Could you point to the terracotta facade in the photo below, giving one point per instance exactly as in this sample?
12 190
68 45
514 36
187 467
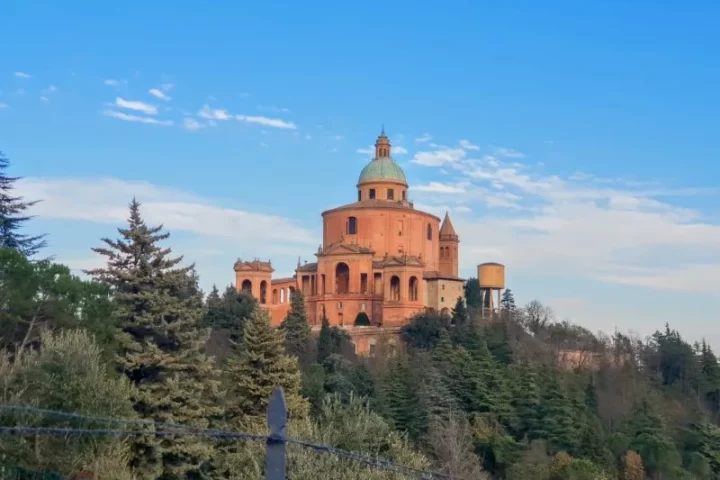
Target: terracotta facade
379 257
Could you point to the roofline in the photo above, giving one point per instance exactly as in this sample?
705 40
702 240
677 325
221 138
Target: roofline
382 180
445 277
391 205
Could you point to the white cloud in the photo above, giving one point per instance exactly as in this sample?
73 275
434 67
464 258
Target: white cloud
159 94
22 75
110 82
438 187
271 108
399 150
580 226
425 137
214 113
136 118
366 150
50 89
508 152
192 124
268 122
105 201
468 146
439 157
44 98
138 106
166 87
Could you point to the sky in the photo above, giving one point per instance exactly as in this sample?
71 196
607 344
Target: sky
575 142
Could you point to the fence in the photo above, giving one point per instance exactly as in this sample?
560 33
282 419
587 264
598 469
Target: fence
275 443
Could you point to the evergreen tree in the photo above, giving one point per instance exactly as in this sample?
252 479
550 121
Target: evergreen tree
212 308
325 347
259 365
473 294
158 311
710 377
13 215
298 336
460 317
507 303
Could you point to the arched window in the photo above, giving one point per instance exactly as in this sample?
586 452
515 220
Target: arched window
445 312
429 231
275 296
246 286
342 278
352 226
413 289
263 292
282 295
395 288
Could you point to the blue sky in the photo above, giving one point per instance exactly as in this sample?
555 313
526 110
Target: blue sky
576 142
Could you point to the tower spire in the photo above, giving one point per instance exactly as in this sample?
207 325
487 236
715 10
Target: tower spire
382 145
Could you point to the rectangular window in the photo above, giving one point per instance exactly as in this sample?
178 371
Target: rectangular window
372 350
391 194
372 193
339 304
359 195
363 282
404 195
400 228
362 307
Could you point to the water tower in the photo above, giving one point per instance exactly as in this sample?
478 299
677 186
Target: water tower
491 277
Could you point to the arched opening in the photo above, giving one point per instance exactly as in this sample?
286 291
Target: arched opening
263 292
445 312
395 288
429 231
275 296
362 320
247 286
351 226
342 278
413 290
282 295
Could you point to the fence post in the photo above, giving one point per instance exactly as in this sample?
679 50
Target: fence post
275 451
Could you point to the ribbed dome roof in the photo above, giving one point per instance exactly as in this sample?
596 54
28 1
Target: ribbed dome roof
383 168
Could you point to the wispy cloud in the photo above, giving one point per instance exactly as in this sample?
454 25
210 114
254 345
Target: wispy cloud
135 118
4 106
439 157
508 152
399 150
138 106
468 146
213 113
110 82
22 75
438 187
192 124
157 93
50 89
44 98
271 108
366 150
105 200
425 137
268 122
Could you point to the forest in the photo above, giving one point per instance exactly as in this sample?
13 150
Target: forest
519 396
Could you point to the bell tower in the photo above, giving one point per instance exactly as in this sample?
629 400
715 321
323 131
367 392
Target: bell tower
449 241
382 145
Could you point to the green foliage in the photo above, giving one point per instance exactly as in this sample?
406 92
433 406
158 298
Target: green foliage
507 303
298 338
229 311
43 295
66 374
423 330
473 294
158 312
325 341
459 317
13 216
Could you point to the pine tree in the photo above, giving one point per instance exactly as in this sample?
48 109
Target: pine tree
460 316
259 365
507 303
298 336
212 308
158 311
12 216
325 342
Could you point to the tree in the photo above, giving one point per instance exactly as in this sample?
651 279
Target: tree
259 365
67 374
298 336
473 294
537 316
632 467
507 303
13 216
229 311
452 445
158 312
460 317
325 347
423 330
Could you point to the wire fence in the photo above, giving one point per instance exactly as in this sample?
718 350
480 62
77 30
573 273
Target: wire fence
275 443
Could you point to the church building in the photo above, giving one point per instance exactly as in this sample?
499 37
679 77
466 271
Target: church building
380 261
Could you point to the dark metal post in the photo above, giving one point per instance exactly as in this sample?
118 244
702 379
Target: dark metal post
275 451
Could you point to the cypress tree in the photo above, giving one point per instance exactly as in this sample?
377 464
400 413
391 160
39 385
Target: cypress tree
325 341
460 316
259 365
13 216
473 294
296 328
158 311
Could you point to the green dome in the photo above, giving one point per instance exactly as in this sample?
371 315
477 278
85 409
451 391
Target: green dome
380 169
